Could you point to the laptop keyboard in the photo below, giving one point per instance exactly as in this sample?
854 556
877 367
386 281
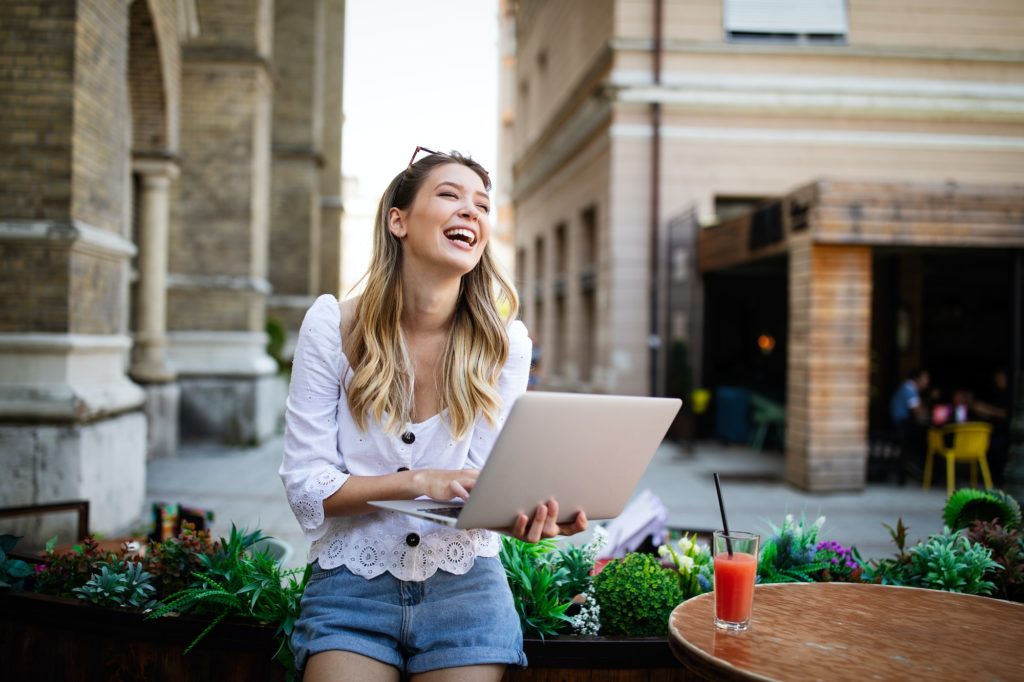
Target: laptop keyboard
452 512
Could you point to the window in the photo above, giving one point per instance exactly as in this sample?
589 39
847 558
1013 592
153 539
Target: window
520 268
727 207
560 253
785 21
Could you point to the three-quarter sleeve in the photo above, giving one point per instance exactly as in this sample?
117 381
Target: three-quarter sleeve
313 467
511 385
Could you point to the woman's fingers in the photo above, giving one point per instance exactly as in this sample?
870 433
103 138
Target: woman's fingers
578 525
537 527
519 527
551 526
459 489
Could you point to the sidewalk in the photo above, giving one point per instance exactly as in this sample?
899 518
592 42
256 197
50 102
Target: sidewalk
241 485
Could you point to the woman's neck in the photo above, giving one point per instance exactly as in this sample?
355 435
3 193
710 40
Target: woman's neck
428 303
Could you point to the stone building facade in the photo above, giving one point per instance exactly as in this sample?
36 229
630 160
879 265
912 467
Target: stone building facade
168 171
639 121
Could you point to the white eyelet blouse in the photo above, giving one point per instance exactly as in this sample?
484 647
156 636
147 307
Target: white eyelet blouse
323 447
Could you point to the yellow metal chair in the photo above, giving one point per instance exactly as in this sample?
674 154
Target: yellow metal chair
970 443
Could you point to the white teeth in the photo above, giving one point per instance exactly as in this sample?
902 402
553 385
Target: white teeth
461 234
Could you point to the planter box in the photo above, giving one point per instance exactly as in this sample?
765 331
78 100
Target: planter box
49 638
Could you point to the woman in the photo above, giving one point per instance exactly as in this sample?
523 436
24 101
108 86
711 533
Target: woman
400 394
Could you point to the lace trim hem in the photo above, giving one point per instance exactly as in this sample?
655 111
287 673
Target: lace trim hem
370 556
309 507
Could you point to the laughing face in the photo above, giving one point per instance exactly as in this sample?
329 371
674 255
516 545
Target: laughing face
448 224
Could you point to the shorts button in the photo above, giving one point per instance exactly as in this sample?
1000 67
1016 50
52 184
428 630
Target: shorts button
408 437
412 539
403 468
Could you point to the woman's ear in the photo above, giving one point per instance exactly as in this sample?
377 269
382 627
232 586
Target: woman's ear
396 223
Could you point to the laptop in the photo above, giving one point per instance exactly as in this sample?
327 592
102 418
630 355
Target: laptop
586 451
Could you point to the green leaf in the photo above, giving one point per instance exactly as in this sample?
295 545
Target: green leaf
18 569
7 543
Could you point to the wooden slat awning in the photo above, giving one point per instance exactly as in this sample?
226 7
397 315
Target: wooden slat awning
872 214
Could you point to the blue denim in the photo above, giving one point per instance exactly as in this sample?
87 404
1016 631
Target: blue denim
445 621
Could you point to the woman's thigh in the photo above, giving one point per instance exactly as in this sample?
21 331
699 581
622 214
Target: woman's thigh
346 666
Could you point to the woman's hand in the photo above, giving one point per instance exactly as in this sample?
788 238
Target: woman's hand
444 484
544 524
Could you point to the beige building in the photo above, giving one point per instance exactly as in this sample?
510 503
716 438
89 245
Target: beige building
169 181
637 121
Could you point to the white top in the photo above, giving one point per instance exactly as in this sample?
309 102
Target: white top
323 447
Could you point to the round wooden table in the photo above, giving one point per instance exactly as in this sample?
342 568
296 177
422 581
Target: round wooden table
835 631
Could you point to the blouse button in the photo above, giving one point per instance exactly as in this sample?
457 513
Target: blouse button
408 437
412 539
403 468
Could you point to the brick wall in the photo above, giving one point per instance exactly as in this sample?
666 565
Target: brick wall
146 78
244 25
36 75
295 227
33 287
100 140
219 227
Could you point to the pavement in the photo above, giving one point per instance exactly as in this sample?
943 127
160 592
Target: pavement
241 486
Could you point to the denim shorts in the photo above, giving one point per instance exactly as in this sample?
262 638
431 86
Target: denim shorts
445 621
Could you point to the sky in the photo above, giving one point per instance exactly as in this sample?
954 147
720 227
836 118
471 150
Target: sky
418 72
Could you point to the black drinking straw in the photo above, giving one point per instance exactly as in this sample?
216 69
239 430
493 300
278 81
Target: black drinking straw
721 507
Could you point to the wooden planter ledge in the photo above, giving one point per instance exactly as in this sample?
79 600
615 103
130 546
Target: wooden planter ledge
52 638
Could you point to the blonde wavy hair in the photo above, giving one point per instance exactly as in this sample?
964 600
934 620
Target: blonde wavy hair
381 388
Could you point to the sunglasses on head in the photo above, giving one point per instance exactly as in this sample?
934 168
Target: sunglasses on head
412 159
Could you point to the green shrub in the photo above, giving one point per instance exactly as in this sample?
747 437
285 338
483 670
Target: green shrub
277 336
172 562
536 583
693 563
62 573
1007 547
971 504
235 581
636 594
12 571
949 561
895 570
790 555
120 584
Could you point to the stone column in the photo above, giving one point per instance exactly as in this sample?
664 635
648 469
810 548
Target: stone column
295 230
150 366
331 207
71 423
217 281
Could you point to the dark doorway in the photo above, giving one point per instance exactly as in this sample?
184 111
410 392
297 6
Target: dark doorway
948 310
746 314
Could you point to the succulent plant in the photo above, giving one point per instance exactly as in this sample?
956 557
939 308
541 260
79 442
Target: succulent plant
971 504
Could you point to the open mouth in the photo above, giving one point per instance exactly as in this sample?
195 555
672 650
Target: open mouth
460 235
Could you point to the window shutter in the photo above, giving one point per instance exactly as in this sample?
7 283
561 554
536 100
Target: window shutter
785 16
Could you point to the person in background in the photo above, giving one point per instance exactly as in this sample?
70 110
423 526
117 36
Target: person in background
994 407
910 417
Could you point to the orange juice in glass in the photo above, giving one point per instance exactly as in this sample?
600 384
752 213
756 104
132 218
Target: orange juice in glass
735 573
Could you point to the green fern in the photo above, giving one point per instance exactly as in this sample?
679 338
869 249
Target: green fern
536 583
239 582
970 504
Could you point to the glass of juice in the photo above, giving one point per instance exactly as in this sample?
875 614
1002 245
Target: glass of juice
735 573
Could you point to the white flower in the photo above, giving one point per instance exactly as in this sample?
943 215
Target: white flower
685 563
685 543
819 522
663 551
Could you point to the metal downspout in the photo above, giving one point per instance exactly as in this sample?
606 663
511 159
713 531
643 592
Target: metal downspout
654 339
